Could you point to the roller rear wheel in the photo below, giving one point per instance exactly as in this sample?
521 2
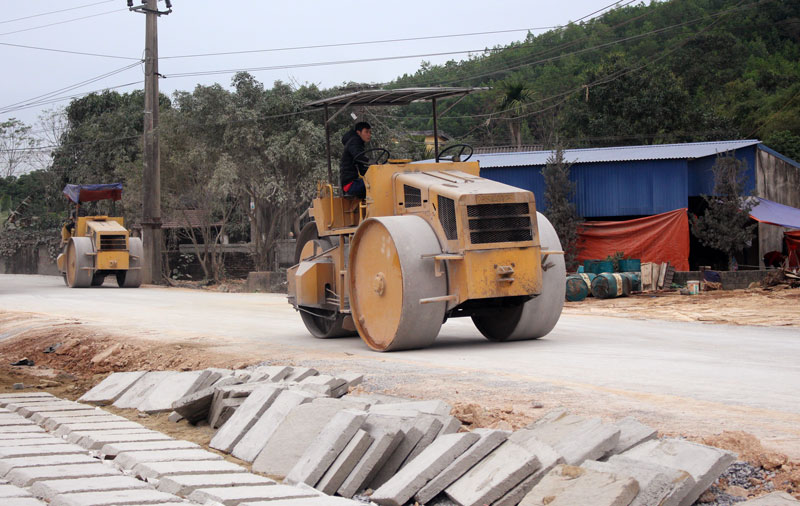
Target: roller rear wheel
536 317
132 278
322 324
389 277
79 263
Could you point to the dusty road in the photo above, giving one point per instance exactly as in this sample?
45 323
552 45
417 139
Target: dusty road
685 378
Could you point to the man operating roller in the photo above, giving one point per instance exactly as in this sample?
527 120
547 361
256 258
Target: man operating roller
352 166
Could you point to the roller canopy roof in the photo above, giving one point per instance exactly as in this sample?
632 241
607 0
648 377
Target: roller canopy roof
91 192
401 96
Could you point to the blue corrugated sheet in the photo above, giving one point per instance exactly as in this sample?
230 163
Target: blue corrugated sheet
701 178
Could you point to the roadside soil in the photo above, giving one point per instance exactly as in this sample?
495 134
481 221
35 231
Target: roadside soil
86 354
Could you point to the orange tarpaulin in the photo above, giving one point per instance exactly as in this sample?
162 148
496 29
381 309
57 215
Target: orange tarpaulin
793 245
659 238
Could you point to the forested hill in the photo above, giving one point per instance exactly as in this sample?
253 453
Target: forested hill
676 71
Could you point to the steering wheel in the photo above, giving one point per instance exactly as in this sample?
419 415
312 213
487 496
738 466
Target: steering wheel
455 157
381 155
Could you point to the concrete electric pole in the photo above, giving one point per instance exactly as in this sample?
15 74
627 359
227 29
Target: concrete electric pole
152 238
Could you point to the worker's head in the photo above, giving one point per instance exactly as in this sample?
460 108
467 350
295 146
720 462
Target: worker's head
364 130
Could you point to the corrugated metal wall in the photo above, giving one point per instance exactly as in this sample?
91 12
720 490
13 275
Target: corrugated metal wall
627 188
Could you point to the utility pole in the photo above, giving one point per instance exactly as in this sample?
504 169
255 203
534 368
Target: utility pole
152 238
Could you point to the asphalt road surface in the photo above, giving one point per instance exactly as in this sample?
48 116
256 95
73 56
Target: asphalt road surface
691 366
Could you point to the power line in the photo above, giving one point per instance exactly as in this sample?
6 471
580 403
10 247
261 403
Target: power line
55 100
63 22
55 12
70 52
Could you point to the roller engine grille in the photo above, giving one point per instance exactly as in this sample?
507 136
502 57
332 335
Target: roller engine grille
447 217
113 242
412 196
490 223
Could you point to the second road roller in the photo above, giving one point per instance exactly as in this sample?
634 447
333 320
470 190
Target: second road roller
430 241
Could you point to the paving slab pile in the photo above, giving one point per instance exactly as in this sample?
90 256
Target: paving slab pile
302 428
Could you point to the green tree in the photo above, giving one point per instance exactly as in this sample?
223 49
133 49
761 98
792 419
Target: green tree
560 210
515 94
17 147
725 224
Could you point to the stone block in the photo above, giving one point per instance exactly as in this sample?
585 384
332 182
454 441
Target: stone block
27 476
575 438
141 389
411 436
435 407
6 465
385 440
250 445
773 499
284 445
300 373
657 484
231 496
569 485
32 442
5 438
14 419
48 489
430 425
308 501
209 378
222 412
8 452
185 484
128 460
489 440
42 416
450 425
28 411
111 388
325 447
95 440
8 491
417 473
270 372
67 428
195 406
171 389
24 501
631 433
494 476
7 397
175 417
114 497
21 429
156 470
245 417
344 463
114 449
54 422
704 463
548 459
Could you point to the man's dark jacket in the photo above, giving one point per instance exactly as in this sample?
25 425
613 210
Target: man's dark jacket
349 167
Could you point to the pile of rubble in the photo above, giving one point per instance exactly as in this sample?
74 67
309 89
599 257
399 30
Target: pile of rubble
303 428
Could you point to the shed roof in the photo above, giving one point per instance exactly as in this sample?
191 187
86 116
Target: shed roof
614 154
401 96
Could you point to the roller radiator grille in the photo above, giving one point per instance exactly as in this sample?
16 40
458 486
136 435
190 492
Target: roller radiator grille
492 223
447 217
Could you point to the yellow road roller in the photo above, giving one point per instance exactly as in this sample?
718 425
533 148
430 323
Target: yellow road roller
94 247
430 241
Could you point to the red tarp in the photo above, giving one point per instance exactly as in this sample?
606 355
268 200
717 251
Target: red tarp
659 238
793 245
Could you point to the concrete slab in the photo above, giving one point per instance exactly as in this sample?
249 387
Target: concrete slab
450 425
14 419
208 378
115 497
27 476
7 465
231 496
489 440
48 489
114 449
33 395
4 438
307 501
171 389
631 433
704 463
24 501
96 439
773 499
51 440
575 438
21 429
67 428
53 423
411 436
43 416
324 449
494 476
300 373
222 410
29 410
270 372
128 460
246 415
417 473
431 426
141 389
341 467
251 444
385 440
185 484
8 491
7 452
548 459
285 445
195 406
435 407
111 388
155 470
657 484
569 485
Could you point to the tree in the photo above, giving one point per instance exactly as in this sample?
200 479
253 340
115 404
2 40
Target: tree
515 95
725 224
17 147
558 194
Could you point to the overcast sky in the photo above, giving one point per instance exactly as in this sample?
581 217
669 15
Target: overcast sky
202 26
